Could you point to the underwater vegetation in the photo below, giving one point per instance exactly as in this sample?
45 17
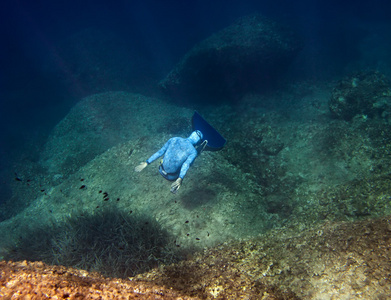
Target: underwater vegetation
109 241
332 261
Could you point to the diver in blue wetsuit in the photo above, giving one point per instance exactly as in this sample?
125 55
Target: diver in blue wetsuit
179 153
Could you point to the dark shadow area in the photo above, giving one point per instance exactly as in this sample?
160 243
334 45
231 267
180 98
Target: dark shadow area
109 241
198 197
20 185
229 182
10 205
6 193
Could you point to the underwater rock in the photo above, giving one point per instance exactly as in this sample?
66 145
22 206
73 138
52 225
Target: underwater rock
242 191
271 146
365 93
344 260
101 121
247 54
36 280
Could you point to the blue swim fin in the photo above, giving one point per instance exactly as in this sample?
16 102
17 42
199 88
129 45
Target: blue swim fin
214 138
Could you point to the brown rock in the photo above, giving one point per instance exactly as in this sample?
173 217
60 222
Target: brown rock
36 280
249 53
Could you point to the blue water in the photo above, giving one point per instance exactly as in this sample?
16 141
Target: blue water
158 33
52 55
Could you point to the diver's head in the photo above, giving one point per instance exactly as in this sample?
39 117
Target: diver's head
195 137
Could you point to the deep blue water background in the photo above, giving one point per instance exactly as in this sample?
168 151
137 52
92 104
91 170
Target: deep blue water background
160 33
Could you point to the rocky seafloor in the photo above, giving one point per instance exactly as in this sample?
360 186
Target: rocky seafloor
294 207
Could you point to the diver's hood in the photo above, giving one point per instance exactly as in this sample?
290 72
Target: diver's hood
195 137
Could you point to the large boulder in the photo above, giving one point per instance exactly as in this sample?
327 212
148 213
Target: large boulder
247 54
101 121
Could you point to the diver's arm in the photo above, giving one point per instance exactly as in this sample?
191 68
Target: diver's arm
186 165
155 156
159 153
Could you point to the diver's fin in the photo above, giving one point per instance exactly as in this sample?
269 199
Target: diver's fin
215 140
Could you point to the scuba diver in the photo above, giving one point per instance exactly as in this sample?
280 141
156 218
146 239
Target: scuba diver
179 153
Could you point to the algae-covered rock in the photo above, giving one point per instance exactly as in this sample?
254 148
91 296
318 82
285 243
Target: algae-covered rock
333 261
248 53
101 121
365 93
322 171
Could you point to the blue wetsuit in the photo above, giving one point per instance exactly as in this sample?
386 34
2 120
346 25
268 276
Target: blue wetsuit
179 154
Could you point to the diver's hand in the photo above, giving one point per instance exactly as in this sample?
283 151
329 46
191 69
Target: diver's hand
176 185
141 167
